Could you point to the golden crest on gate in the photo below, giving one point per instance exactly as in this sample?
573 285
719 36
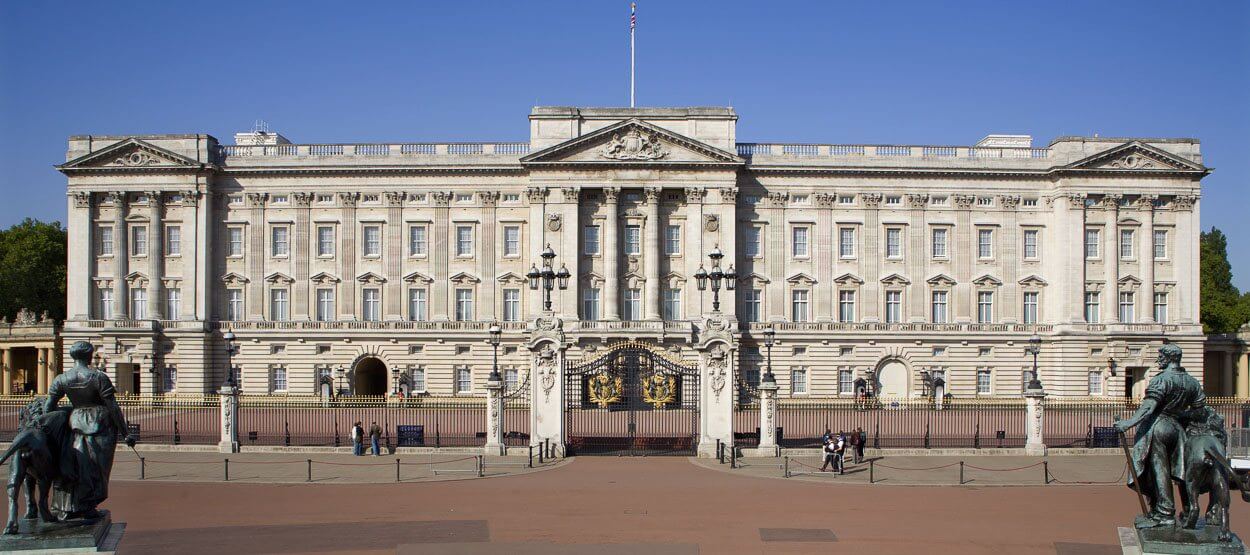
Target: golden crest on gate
603 389
659 389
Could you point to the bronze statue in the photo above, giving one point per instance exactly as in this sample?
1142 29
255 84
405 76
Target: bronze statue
42 441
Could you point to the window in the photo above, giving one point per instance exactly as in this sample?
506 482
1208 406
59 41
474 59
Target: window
512 197
325 305
985 243
846 199
173 303
939 351
325 240
1160 244
846 242
417 374
590 303
633 239
799 241
939 200
511 377
984 351
1030 244
464 197
171 378
235 242
105 308
590 240
417 305
672 304
985 201
1126 307
138 304
1161 308
464 304
1029 202
798 305
279 305
278 379
325 199
633 304
798 381
464 240
1091 307
234 304
893 242
1126 244
845 351
939 242
893 307
464 380
1095 383
983 381
938 312
893 200
1091 243
417 245
139 240
104 247
372 246
985 307
511 240
846 382
846 306
512 305
279 199
751 305
799 199
371 304
1030 307
672 240
281 241
173 240
751 237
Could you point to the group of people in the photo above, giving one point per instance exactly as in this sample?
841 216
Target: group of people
358 439
835 447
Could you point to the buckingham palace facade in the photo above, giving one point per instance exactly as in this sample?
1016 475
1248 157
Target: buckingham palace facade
378 267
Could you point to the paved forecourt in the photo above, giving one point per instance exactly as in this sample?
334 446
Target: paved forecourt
937 470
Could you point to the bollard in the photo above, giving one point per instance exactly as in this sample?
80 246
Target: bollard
872 467
396 470
733 457
1046 472
142 468
540 453
530 462
481 466
227 470
309 470
961 473
787 464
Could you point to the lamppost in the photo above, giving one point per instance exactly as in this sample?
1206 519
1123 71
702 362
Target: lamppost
550 277
495 332
770 337
1035 347
395 380
231 349
716 275
340 374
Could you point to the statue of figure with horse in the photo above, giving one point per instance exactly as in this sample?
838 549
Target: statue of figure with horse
63 455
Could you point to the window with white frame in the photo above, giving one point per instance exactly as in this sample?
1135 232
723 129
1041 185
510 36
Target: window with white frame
277 379
139 240
1030 307
939 242
234 304
893 307
985 307
325 305
752 235
1161 308
590 303
893 242
173 303
1160 244
511 378
799 305
418 241
372 241
1091 243
138 304
417 375
512 305
633 304
279 305
171 378
1127 305
464 240
371 304
1126 244
104 308
672 304
985 243
633 239
672 240
846 200
325 240
464 305
985 201
846 382
511 240
1030 244
280 241
1094 386
846 305
104 240
846 242
799 241
937 312
464 380
798 381
752 304
417 304
983 381
1092 307
893 200
173 240
234 243
590 240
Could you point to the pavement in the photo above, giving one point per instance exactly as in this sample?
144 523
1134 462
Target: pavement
939 470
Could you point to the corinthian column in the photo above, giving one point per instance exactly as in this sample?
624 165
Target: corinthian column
121 256
611 256
651 255
1146 204
1111 259
156 256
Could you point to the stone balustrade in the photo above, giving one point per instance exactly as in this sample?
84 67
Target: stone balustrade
398 149
906 151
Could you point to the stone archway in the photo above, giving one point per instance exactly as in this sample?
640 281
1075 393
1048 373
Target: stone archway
893 380
369 377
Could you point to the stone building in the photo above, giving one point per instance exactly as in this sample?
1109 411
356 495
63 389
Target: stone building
29 349
376 266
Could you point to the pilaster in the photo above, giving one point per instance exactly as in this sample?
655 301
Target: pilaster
121 259
394 299
651 254
300 254
440 251
156 255
494 417
1111 259
716 398
491 251
873 257
81 255
1146 256
610 245
256 256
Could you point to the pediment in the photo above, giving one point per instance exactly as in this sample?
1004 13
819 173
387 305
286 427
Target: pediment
634 280
848 279
464 278
324 277
674 279
941 280
510 278
987 281
754 277
136 278
279 278
130 155
233 278
895 280
370 277
1033 281
1136 156
418 277
801 279
633 142
593 279
1129 280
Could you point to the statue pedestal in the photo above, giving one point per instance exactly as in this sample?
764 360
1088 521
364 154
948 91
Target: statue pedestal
1177 541
97 536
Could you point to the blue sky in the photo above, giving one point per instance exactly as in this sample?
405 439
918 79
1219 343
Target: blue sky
842 72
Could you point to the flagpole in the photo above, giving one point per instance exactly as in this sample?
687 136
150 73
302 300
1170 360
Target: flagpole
632 20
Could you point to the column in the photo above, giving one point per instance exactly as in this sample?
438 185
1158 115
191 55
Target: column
440 250
611 300
1146 256
768 416
121 259
490 254
776 252
1111 259
394 297
41 371
716 399
53 367
81 296
547 393
7 356
1243 376
1035 444
727 238
694 251
494 418
651 254
1227 385
256 255
1070 217
822 257
568 253
916 297
196 274
156 255
300 254
347 288
870 257
1009 253
229 416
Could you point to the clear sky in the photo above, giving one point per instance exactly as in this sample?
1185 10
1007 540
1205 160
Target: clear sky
899 72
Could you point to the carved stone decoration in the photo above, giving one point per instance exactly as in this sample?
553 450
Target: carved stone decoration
441 198
611 194
824 200
116 198
535 194
917 200
632 264
1184 202
729 196
1146 202
82 199
694 195
716 364
1010 202
301 199
571 194
711 222
395 198
777 199
24 317
1077 200
1112 202
256 200
553 222
871 200
1134 162
137 158
634 145
964 202
190 198
653 194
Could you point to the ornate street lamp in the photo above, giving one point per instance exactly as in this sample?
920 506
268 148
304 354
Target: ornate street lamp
495 332
550 277
340 374
231 350
701 277
1035 347
770 337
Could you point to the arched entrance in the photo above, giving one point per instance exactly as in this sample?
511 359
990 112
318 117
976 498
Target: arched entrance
892 380
369 377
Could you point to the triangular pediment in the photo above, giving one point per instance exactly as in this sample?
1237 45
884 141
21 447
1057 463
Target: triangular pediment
129 155
418 277
754 278
1033 281
324 277
633 142
848 279
1136 156
895 280
464 278
510 278
987 281
1129 280
136 279
279 278
940 280
801 279
233 278
674 280
593 279
370 277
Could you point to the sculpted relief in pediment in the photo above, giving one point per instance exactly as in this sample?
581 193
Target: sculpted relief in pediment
634 144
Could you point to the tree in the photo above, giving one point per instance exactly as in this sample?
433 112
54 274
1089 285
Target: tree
32 269
1224 308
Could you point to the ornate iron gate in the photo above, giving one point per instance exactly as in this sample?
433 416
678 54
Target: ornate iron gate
632 400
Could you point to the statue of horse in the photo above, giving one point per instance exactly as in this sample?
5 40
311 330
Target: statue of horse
41 455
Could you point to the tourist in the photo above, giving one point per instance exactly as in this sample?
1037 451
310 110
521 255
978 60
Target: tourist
855 447
375 435
839 457
859 448
358 439
830 451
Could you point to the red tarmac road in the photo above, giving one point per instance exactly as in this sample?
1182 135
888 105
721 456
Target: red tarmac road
640 505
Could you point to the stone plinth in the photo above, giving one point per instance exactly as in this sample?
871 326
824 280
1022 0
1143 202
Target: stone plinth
1178 541
63 537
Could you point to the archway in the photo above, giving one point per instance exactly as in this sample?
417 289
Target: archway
370 377
892 380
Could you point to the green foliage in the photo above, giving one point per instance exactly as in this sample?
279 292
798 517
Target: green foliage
1224 308
32 269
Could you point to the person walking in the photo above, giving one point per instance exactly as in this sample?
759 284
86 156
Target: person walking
830 451
375 436
839 451
855 447
863 441
358 439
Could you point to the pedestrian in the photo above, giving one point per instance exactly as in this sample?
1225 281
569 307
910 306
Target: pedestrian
863 442
358 439
855 447
829 451
375 435
828 436
840 453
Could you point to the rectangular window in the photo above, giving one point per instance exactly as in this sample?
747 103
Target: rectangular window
985 243
1160 244
938 312
280 244
279 379
1030 307
799 238
511 377
751 237
171 378
464 380
1095 383
511 240
590 303
1126 244
104 247
985 307
279 305
106 304
235 242
633 239
751 304
633 304
1091 307
234 304
939 242
798 305
372 241
1030 244
173 303
1127 305
417 242
798 381
325 240
893 242
464 304
139 240
417 305
325 305
173 240
846 306
1161 308
893 307
1091 243
464 240
672 304
138 304
371 305
983 381
846 242
512 305
590 240
672 240
846 382
418 379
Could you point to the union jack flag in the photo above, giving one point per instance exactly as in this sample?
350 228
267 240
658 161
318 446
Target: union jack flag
633 18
